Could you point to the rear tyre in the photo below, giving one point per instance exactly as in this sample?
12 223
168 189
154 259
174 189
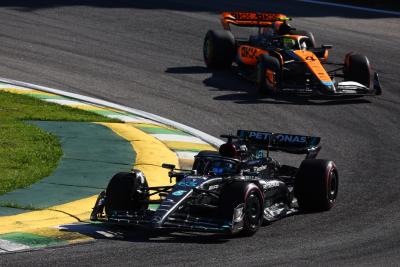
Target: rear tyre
268 75
358 69
311 40
316 185
126 191
219 49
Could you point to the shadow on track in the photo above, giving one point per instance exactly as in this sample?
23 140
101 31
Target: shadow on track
100 231
134 234
245 92
293 9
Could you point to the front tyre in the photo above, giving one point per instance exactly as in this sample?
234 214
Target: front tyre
358 69
126 191
252 213
316 185
219 49
246 197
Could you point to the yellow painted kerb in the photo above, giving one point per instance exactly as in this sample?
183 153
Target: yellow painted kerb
151 153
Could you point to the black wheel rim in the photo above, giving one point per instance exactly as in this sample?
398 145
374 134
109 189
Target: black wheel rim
253 210
333 187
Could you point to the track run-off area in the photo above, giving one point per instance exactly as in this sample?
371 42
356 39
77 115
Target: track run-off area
147 55
92 153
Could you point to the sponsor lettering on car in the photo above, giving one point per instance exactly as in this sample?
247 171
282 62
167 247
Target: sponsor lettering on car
291 138
179 193
270 184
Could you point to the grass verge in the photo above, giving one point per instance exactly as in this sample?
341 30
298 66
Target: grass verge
28 153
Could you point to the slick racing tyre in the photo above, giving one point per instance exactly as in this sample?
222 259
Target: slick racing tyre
268 75
126 191
98 207
219 49
311 40
248 195
316 185
253 213
357 69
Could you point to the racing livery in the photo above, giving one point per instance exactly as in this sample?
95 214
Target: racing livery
280 58
233 190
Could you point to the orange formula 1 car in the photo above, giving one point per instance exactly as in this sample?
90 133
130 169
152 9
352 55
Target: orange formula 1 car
280 58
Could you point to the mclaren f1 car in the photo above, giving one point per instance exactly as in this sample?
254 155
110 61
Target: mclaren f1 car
280 58
233 190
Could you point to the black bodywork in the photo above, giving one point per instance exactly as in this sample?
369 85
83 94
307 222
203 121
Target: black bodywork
232 190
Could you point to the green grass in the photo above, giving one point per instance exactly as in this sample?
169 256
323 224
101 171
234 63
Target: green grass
28 153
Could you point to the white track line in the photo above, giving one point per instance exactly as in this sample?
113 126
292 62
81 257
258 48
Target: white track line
374 10
206 137
132 118
65 102
178 138
9 246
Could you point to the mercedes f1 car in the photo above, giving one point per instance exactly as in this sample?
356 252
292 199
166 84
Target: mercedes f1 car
233 190
280 58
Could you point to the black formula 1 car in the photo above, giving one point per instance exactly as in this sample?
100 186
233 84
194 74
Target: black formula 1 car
231 191
280 58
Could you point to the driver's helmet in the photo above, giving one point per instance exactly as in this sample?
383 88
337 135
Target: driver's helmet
288 43
284 28
215 166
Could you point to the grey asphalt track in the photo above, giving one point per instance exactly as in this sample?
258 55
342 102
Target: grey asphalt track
147 55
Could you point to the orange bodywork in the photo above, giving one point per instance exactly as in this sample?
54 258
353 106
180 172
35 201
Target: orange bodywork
314 64
250 19
249 54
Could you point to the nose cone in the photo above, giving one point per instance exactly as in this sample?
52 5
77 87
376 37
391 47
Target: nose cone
329 87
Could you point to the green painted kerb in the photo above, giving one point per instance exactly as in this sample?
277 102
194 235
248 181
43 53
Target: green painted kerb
46 96
92 154
32 240
159 130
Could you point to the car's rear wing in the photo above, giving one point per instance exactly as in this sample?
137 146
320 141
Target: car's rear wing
250 19
296 144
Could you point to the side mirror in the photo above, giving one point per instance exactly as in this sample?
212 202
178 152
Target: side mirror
168 166
326 46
